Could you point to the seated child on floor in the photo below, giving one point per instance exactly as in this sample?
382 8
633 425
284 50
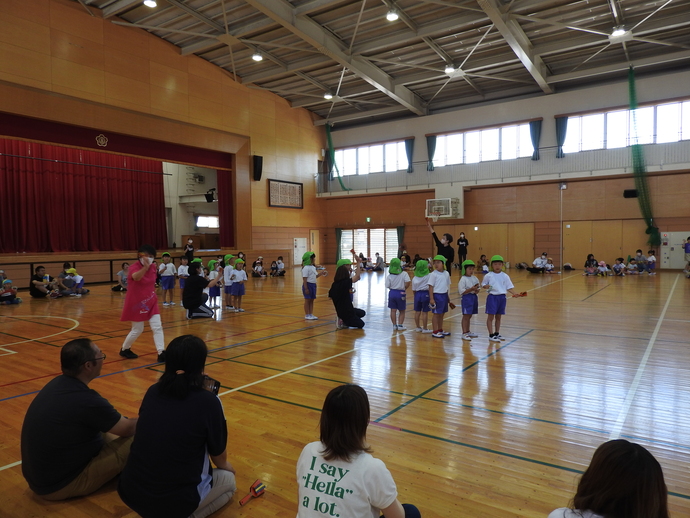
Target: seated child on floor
8 293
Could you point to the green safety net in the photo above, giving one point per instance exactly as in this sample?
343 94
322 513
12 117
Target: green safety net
640 169
331 157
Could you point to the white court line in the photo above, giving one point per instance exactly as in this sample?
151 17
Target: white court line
76 324
623 415
11 465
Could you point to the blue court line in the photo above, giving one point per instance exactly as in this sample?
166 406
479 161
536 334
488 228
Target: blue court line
400 407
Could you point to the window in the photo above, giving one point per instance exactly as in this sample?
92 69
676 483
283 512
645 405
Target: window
207 222
369 241
377 158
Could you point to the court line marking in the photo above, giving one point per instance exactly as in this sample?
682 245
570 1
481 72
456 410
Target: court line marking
623 414
8 466
7 351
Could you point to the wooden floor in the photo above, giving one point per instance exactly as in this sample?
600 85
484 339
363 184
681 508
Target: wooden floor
467 430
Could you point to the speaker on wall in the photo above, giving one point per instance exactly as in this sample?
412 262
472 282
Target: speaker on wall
630 193
257 166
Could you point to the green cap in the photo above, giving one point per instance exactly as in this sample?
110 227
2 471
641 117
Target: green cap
342 262
212 264
395 267
239 261
439 258
421 269
306 258
228 257
165 253
497 259
197 260
468 262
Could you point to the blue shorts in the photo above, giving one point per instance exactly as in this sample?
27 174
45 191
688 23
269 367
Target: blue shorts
214 291
168 282
421 301
496 305
396 300
470 304
227 289
651 266
441 300
182 282
237 289
310 292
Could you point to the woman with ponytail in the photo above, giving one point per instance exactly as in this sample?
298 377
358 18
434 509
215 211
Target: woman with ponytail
181 429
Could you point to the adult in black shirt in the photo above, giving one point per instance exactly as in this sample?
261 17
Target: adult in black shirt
193 297
443 247
64 452
40 288
189 250
463 243
181 430
341 295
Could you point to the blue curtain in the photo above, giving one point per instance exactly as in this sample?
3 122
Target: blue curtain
338 241
535 134
431 149
409 147
561 128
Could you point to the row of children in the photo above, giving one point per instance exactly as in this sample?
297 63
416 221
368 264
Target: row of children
637 265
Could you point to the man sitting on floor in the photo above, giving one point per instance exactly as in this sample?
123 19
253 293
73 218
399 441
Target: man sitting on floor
64 450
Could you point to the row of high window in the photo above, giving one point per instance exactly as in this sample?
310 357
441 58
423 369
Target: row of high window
662 123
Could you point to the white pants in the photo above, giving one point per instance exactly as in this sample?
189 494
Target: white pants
224 487
138 328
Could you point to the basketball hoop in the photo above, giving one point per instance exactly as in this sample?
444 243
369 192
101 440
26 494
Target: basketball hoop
434 216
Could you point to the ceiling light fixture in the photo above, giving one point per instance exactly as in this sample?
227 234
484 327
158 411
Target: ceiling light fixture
328 96
449 69
618 31
150 3
392 15
257 56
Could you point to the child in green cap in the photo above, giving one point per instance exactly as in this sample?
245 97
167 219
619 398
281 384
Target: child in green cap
227 281
468 287
497 283
420 288
397 282
439 285
309 276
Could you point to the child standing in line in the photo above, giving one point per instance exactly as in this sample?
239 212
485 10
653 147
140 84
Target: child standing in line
8 293
183 273
651 262
619 267
439 284
420 288
213 291
497 283
227 281
397 282
238 278
167 272
309 275
468 287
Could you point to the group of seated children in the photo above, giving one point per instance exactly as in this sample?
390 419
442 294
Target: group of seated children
68 283
277 268
637 265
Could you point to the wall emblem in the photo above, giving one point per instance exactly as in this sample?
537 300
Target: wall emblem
102 140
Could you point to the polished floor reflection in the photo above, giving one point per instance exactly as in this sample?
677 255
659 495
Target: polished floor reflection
467 429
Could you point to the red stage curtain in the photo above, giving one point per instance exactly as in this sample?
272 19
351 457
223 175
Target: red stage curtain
78 200
226 218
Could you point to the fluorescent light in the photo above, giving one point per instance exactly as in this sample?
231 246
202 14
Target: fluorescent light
618 31
328 96
392 15
449 69
257 56
150 3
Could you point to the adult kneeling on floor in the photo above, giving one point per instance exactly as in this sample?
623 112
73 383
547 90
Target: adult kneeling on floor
193 297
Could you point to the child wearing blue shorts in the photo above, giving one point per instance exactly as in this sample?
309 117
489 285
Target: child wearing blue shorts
420 288
497 283
468 287
238 278
167 272
397 282
183 272
439 284
309 276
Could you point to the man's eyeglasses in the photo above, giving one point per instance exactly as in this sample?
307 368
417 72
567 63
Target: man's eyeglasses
96 359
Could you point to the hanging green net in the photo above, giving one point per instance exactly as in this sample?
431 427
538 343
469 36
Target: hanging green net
331 158
640 169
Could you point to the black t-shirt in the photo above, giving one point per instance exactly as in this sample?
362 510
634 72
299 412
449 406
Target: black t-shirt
193 290
462 245
446 251
342 299
62 433
33 290
168 466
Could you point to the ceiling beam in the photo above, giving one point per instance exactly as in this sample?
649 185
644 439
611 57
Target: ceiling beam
283 13
119 7
197 15
518 41
267 75
359 115
203 46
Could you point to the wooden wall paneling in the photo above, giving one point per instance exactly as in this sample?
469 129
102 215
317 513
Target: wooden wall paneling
607 238
521 243
634 237
577 242
492 239
314 243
